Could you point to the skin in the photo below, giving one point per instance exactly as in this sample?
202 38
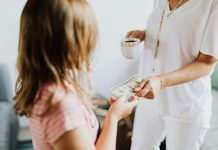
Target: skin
80 138
149 88
202 66
174 3
140 34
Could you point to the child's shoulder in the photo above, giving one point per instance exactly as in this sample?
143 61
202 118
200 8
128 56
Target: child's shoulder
51 96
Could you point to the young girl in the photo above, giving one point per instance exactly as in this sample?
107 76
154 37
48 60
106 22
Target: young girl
57 38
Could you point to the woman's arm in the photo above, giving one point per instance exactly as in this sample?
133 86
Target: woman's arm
201 67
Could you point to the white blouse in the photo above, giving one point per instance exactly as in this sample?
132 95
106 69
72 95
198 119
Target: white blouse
192 28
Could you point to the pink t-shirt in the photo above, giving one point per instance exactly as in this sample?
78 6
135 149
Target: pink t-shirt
69 114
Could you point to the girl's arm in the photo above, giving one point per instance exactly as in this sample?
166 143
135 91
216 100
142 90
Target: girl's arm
107 139
77 139
201 67
119 110
80 138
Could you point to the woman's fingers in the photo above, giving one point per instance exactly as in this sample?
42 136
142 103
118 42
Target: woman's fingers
145 88
143 92
140 86
129 34
133 34
146 92
148 88
150 95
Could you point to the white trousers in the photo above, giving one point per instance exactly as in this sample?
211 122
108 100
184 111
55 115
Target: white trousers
150 129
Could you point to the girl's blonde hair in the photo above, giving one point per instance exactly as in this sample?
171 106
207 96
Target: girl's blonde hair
56 37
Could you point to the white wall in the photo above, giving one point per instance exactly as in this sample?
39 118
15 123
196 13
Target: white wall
10 12
115 18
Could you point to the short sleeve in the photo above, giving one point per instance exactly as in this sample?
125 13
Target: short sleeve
209 44
67 116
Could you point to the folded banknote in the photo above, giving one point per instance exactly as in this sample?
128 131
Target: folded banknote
125 88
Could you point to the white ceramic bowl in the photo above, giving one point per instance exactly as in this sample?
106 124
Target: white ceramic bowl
130 48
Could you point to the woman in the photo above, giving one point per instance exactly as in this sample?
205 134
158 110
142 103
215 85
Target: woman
56 40
180 53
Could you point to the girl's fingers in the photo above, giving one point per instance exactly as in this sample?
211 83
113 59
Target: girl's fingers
132 98
133 104
122 98
140 86
112 100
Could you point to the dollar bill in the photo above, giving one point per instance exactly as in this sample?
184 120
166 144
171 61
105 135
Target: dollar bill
125 88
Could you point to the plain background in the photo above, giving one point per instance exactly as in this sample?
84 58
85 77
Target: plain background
115 18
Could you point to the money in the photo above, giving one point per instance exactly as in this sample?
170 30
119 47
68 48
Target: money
126 87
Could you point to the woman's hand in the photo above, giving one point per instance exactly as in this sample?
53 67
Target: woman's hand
140 34
121 108
148 88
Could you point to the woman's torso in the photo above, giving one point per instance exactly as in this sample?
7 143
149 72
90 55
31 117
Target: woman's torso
180 41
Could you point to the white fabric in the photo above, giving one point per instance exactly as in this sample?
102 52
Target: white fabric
189 29
211 139
152 129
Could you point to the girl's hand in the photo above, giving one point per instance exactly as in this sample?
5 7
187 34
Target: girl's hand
140 34
148 88
121 108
